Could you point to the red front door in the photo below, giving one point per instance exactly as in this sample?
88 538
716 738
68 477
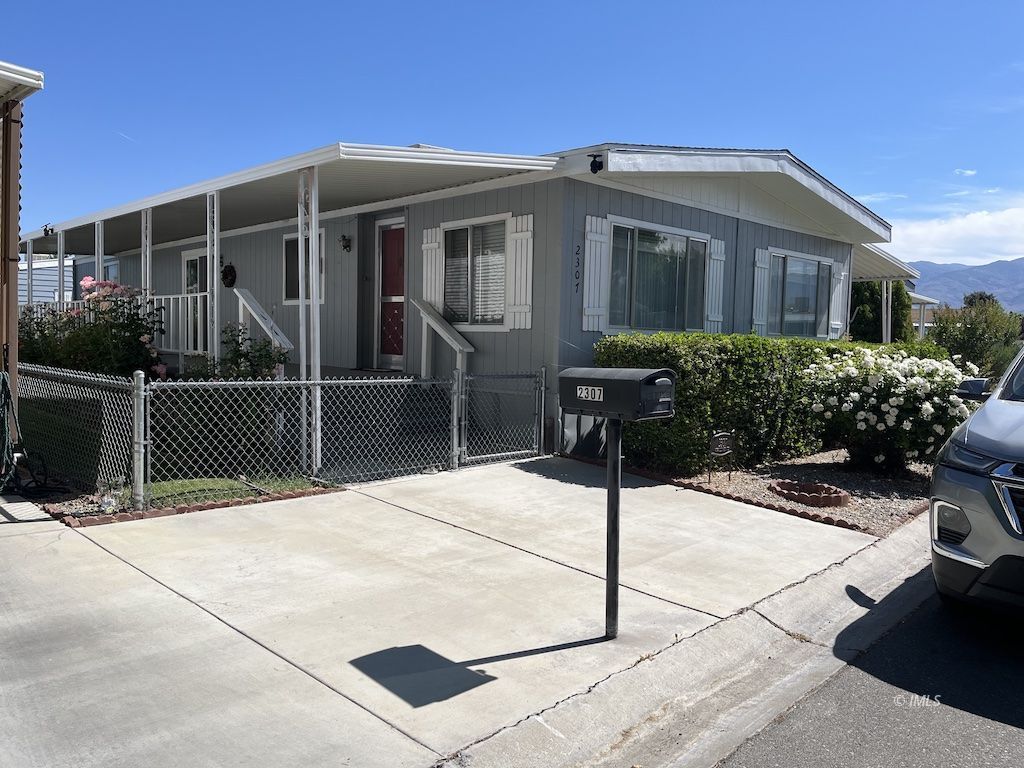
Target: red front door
391 338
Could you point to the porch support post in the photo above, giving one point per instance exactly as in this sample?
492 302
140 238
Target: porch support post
886 312
29 296
101 258
314 309
213 272
10 208
60 270
146 251
920 323
300 255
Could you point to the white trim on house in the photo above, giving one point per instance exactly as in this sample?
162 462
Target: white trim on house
323 269
772 250
187 256
627 222
18 83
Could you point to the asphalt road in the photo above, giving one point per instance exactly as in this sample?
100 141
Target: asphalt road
941 689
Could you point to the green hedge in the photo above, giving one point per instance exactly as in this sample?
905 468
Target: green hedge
748 383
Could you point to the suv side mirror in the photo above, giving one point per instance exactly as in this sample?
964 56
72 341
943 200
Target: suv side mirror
974 389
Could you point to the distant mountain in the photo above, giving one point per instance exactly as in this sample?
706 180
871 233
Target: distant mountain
951 282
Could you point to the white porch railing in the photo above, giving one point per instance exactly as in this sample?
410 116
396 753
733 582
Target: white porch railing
186 322
40 308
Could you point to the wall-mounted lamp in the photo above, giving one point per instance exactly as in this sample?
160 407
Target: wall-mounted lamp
47 230
596 163
346 243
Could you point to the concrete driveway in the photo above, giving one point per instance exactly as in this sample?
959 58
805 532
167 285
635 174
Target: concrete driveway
391 625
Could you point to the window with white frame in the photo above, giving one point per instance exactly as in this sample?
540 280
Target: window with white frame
657 280
291 269
799 293
112 271
474 274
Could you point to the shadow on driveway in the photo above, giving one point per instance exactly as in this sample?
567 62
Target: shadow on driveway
970 659
420 676
574 472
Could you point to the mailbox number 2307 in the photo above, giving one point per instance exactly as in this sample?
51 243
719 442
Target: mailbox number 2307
590 393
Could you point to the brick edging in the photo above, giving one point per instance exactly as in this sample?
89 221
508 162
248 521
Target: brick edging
54 511
813 516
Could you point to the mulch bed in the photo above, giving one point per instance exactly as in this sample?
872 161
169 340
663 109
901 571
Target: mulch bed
878 505
83 511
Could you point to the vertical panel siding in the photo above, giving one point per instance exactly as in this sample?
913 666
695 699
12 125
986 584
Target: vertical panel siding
258 258
519 349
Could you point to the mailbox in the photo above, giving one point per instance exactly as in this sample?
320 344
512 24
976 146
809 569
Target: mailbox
628 394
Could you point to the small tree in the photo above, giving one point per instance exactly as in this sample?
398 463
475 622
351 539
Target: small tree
980 297
982 333
866 306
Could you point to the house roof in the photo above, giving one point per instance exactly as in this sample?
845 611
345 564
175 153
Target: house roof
350 175
920 298
778 172
18 83
872 263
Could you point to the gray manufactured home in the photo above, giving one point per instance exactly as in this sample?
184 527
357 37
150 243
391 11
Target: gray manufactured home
426 259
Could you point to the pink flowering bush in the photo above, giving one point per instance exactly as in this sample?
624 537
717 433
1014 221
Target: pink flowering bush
886 408
114 334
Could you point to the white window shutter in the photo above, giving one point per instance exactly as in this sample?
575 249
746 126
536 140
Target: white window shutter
596 274
433 268
836 319
714 288
519 272
762 264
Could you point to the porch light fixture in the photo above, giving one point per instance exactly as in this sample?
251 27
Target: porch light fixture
346 243
596 163
47 230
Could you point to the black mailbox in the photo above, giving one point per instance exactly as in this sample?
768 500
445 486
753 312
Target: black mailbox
628 394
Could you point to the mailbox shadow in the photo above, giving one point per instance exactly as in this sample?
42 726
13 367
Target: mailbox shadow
420 676
581 473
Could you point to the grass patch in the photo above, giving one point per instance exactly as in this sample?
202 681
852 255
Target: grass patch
171 492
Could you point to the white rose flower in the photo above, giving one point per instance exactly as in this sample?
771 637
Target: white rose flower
867 389
861 415
846 407
872 401
855 396
907 425
885 406
939 429
880 427
828 414
931 439
861 425
817 407
833 400
880 458
963 411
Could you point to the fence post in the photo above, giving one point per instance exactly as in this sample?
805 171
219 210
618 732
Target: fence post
456 408
539 431
138 439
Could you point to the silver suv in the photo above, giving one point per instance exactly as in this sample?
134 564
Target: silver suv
977 497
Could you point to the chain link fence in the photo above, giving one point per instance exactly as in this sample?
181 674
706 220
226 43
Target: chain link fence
79 423
210 440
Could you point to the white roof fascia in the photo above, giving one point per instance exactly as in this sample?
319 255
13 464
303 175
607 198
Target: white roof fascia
740 161
920 298
894 269
320 156
18 83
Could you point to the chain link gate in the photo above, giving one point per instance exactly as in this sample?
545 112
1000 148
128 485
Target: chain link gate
501 416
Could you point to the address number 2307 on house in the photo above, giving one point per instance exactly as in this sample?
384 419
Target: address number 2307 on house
595 394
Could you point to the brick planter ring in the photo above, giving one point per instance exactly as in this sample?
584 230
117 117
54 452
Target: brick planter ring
811 494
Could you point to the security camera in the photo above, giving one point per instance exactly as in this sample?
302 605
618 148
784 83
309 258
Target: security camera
596 163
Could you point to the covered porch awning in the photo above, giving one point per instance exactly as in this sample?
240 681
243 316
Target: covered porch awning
871 264
352 178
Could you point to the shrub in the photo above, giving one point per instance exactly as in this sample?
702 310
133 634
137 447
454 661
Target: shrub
113 335
885 407
866 306
983 333
748 383
242 357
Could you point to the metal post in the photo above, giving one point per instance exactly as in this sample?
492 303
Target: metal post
29 296
99 251
920 325
146 251
213 273
611 595
456 400
314 310
138 439
60 270
303 227
542 385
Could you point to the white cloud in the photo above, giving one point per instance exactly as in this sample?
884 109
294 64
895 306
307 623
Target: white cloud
977 237
880 197
965 172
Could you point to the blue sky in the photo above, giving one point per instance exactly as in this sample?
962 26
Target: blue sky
916 108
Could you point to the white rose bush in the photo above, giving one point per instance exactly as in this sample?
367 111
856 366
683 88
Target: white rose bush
886 408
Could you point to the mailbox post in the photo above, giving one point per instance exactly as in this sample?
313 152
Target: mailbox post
617 395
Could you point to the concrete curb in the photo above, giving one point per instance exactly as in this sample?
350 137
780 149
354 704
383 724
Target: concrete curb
694 702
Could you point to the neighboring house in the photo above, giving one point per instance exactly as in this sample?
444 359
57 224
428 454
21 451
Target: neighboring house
431 258
45 281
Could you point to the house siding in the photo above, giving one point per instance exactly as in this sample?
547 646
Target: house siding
496 351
